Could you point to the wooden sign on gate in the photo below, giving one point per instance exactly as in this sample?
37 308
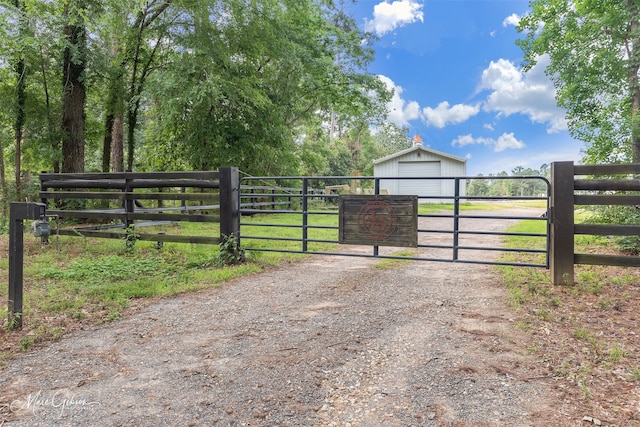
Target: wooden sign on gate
379 220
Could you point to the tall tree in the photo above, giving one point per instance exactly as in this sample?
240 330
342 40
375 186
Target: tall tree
113 31
21 98
4 188
142 55
594 51
73 87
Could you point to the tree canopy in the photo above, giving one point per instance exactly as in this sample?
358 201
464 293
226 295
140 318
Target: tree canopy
175 84
594 51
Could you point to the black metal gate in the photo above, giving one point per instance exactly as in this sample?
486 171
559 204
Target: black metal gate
301 215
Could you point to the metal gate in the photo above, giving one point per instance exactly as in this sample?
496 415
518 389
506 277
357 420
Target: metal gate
302 215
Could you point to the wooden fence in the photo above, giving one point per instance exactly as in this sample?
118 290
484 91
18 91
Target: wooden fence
153 197
588 185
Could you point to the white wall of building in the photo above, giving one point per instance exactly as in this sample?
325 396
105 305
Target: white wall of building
421 162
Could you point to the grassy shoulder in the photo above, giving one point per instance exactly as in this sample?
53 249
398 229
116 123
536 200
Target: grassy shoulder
585 336
89 281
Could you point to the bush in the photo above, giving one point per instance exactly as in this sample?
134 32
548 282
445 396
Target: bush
625 215
4 225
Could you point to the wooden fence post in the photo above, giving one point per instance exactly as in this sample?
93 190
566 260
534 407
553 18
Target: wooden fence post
16 248
562 223
129 203
18 211
229 202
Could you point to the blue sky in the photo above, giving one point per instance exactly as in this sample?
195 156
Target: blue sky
458 81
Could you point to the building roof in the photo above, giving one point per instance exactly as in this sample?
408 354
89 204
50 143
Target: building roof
421 148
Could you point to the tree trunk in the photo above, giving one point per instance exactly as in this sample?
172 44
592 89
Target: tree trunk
73 95
51 127
632 75
117 144
21 101
107 142
3 184
21 98
114 108
140 70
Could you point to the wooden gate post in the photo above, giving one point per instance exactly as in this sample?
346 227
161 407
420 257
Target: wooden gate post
18 211
562 223
229 202
16 248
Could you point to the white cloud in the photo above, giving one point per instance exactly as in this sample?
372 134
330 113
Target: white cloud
463 140
389 16
507 141
531 94
513 19
400 111
504 142
443 114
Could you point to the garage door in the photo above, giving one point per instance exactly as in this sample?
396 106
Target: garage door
420 187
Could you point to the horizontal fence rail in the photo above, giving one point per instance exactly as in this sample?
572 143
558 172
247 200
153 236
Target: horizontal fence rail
106 202
589 185
305 216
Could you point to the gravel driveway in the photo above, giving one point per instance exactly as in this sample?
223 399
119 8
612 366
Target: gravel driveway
331 341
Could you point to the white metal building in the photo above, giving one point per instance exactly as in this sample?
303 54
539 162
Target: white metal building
419 162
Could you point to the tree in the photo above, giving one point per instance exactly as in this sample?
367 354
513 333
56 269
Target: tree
142 56
594 52
249 75
21 97
29 48
391 138
90 84
4 188
73 87
478 187
112 30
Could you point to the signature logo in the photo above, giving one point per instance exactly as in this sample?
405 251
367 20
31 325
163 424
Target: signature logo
58 400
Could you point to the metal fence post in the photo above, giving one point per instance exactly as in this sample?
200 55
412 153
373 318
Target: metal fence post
456 219
305 215
229 202
562 223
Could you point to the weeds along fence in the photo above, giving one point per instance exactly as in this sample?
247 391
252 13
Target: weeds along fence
106 202
589 185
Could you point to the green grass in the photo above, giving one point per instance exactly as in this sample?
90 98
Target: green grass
525 284
98 279
394 263
262 228
617 352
